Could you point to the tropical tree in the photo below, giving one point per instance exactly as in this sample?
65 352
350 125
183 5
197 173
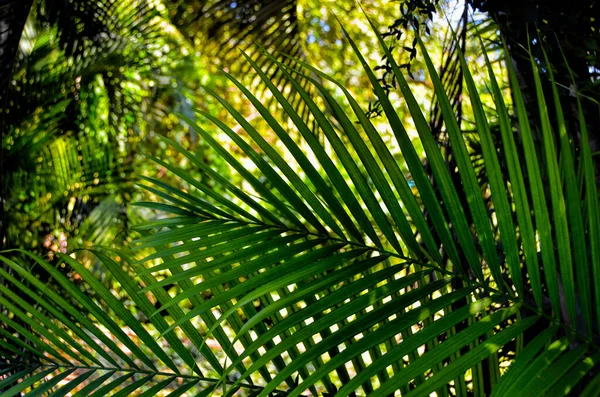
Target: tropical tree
326 273
86 82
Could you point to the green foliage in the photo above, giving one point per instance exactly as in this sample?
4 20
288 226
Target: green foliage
88 85
324 272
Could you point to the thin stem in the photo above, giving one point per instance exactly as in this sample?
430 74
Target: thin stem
137 371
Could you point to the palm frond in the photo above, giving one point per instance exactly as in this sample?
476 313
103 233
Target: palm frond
96 341
325 274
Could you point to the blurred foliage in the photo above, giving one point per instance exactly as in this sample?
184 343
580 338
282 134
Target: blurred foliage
89 85
94 84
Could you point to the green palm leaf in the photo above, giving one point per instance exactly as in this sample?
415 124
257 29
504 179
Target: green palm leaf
324 274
